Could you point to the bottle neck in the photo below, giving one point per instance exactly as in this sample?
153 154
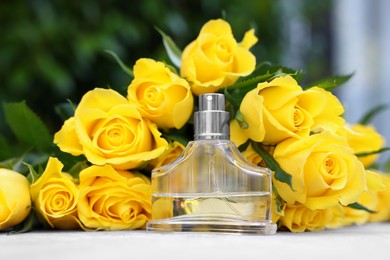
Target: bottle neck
211 125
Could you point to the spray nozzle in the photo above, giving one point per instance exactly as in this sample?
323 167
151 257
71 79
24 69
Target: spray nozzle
211 121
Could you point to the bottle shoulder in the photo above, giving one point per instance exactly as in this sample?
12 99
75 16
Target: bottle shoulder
201 151
236 157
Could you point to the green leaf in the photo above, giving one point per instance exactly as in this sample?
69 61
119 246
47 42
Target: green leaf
359 206
280 174
279 202
33 176
283 71
125 68
367 118
236 92
263 72
16 164
373 152
267 68
26 125
183 139
6 164
240 119
332 83
233 100
77 168
249 83
243 146
173 51
179 135
262 67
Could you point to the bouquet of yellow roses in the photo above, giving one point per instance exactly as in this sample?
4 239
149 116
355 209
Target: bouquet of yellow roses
99 180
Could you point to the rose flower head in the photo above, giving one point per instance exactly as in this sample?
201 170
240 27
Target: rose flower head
279 109
15 201
252 156
113 200
173 152
298 218
215 60
161 95
55 196
382 209
369 199
364 139
108 129
324 170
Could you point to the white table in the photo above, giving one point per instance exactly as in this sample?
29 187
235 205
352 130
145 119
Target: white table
352 243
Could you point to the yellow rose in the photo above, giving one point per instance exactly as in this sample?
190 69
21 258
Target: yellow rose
324 107
161 95
324 171
338 218
277 208
174 150
113 200
368 199
15 201
108 129
376 198
298 218
382 209
238 135
215 59
362 139
272 113
252 156
280 109
162 208
55 196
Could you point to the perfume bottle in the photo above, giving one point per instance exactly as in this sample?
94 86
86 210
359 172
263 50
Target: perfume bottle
211 187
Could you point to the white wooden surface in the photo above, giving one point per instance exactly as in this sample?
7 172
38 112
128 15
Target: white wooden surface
358 242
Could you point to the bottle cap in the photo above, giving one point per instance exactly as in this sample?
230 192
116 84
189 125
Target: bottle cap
211 121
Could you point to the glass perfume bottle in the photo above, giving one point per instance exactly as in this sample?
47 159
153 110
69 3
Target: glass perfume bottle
211 187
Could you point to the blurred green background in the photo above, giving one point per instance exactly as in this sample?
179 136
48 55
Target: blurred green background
53 50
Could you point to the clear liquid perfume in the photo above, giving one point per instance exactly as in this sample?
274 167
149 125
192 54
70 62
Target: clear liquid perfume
210 187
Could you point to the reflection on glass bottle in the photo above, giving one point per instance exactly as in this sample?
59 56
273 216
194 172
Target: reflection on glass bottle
211 187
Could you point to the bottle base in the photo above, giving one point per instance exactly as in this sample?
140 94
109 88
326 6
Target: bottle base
212 226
